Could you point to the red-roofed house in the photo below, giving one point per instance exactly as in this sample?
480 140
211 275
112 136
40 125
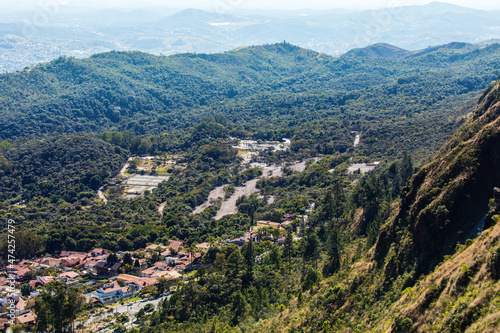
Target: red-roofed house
20 273
156 246
98 252
21 306
26 320
4 323
68 275
70 262
148 272
4 281
203 246
139 282
113 292
72 254
43 280
175 244
49 262
161 264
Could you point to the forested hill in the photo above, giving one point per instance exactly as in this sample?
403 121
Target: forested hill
383 50
448 198
435 267
271 91
56 167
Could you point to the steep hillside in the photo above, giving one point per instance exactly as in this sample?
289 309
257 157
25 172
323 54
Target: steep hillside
448 198
461 295
417 278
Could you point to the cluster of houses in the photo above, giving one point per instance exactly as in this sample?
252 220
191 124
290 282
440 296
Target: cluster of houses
82 268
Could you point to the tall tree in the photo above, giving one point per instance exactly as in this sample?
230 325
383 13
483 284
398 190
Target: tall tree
311 250
332 247
235 261
57 307
248 251
288 248
127 259
238 307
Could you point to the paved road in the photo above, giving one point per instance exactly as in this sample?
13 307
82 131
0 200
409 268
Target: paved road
101 196
137 305
131 311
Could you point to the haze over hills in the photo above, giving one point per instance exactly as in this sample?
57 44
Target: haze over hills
30 37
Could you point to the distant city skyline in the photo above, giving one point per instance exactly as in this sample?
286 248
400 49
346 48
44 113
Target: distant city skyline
244 4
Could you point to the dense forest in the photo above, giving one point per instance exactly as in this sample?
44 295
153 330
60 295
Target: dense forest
358 248
265 92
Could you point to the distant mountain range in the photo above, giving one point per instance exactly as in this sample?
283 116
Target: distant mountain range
25 39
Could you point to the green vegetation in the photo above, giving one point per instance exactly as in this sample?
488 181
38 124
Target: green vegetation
359 251
265 92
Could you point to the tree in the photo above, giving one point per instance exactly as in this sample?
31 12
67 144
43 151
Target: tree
288 248
112 258
56 308
274 257
162 284
238 307
26 289
248 251
311 249
311 277
235 261
332 247
406 167
333 203
220 262
127 259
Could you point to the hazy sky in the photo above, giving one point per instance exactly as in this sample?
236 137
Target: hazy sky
242 4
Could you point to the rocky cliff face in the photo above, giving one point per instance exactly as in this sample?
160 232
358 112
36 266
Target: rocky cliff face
447 197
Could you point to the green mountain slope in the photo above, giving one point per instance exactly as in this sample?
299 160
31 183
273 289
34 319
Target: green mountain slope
57 167
384 50
417 278
270 91
448 197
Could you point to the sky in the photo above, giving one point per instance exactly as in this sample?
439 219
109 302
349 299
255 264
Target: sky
246 4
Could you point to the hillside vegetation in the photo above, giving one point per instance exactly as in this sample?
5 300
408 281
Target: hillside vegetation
267 92
427 271
391 250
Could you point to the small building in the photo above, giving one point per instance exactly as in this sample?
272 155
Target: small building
49 262
98 252
112 292
175 244
68 276
154 247
43 280
148 272
20 274
65 254
204 246
138 282
70 263
26 320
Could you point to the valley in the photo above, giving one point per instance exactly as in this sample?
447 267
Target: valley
269 188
